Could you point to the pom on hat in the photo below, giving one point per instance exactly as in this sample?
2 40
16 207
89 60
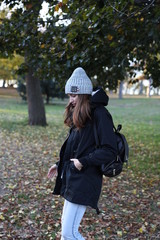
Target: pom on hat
79 83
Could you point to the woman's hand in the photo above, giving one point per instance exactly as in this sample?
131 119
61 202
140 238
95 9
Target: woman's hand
52 171
77 163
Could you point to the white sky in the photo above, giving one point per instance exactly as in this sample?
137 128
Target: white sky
43 12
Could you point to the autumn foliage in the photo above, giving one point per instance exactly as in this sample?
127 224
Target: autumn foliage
129 204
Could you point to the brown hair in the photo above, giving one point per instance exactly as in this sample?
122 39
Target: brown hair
79 114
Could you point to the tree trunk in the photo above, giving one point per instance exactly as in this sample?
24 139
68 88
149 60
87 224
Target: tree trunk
149 88
141 87
120 90
47 99
4 82
36 109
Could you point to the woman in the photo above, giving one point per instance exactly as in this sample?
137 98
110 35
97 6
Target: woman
79 179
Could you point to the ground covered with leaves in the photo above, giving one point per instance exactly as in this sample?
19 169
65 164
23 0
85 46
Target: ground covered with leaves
129 204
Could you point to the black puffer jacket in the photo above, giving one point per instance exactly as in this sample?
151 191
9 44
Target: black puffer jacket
84 187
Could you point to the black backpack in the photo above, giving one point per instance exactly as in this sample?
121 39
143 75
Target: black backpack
115 166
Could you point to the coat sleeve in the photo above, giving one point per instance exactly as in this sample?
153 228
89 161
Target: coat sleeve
108 150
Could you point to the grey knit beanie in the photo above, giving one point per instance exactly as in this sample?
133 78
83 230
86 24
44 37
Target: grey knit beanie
79 83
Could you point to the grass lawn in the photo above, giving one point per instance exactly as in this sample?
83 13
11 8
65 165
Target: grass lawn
129 204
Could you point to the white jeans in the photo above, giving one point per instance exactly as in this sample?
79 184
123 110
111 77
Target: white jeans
71 218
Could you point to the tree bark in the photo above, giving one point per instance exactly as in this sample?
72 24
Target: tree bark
4 82
120 90
149 88
36 110
141 87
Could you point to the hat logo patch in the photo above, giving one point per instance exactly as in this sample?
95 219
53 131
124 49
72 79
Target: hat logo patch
74 89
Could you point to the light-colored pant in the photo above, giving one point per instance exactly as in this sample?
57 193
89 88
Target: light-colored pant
71 218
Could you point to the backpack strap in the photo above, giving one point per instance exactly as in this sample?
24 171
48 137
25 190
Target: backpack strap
126 149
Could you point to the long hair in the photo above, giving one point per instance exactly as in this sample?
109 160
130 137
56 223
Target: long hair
78 115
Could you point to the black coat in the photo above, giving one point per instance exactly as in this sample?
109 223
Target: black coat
84 187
